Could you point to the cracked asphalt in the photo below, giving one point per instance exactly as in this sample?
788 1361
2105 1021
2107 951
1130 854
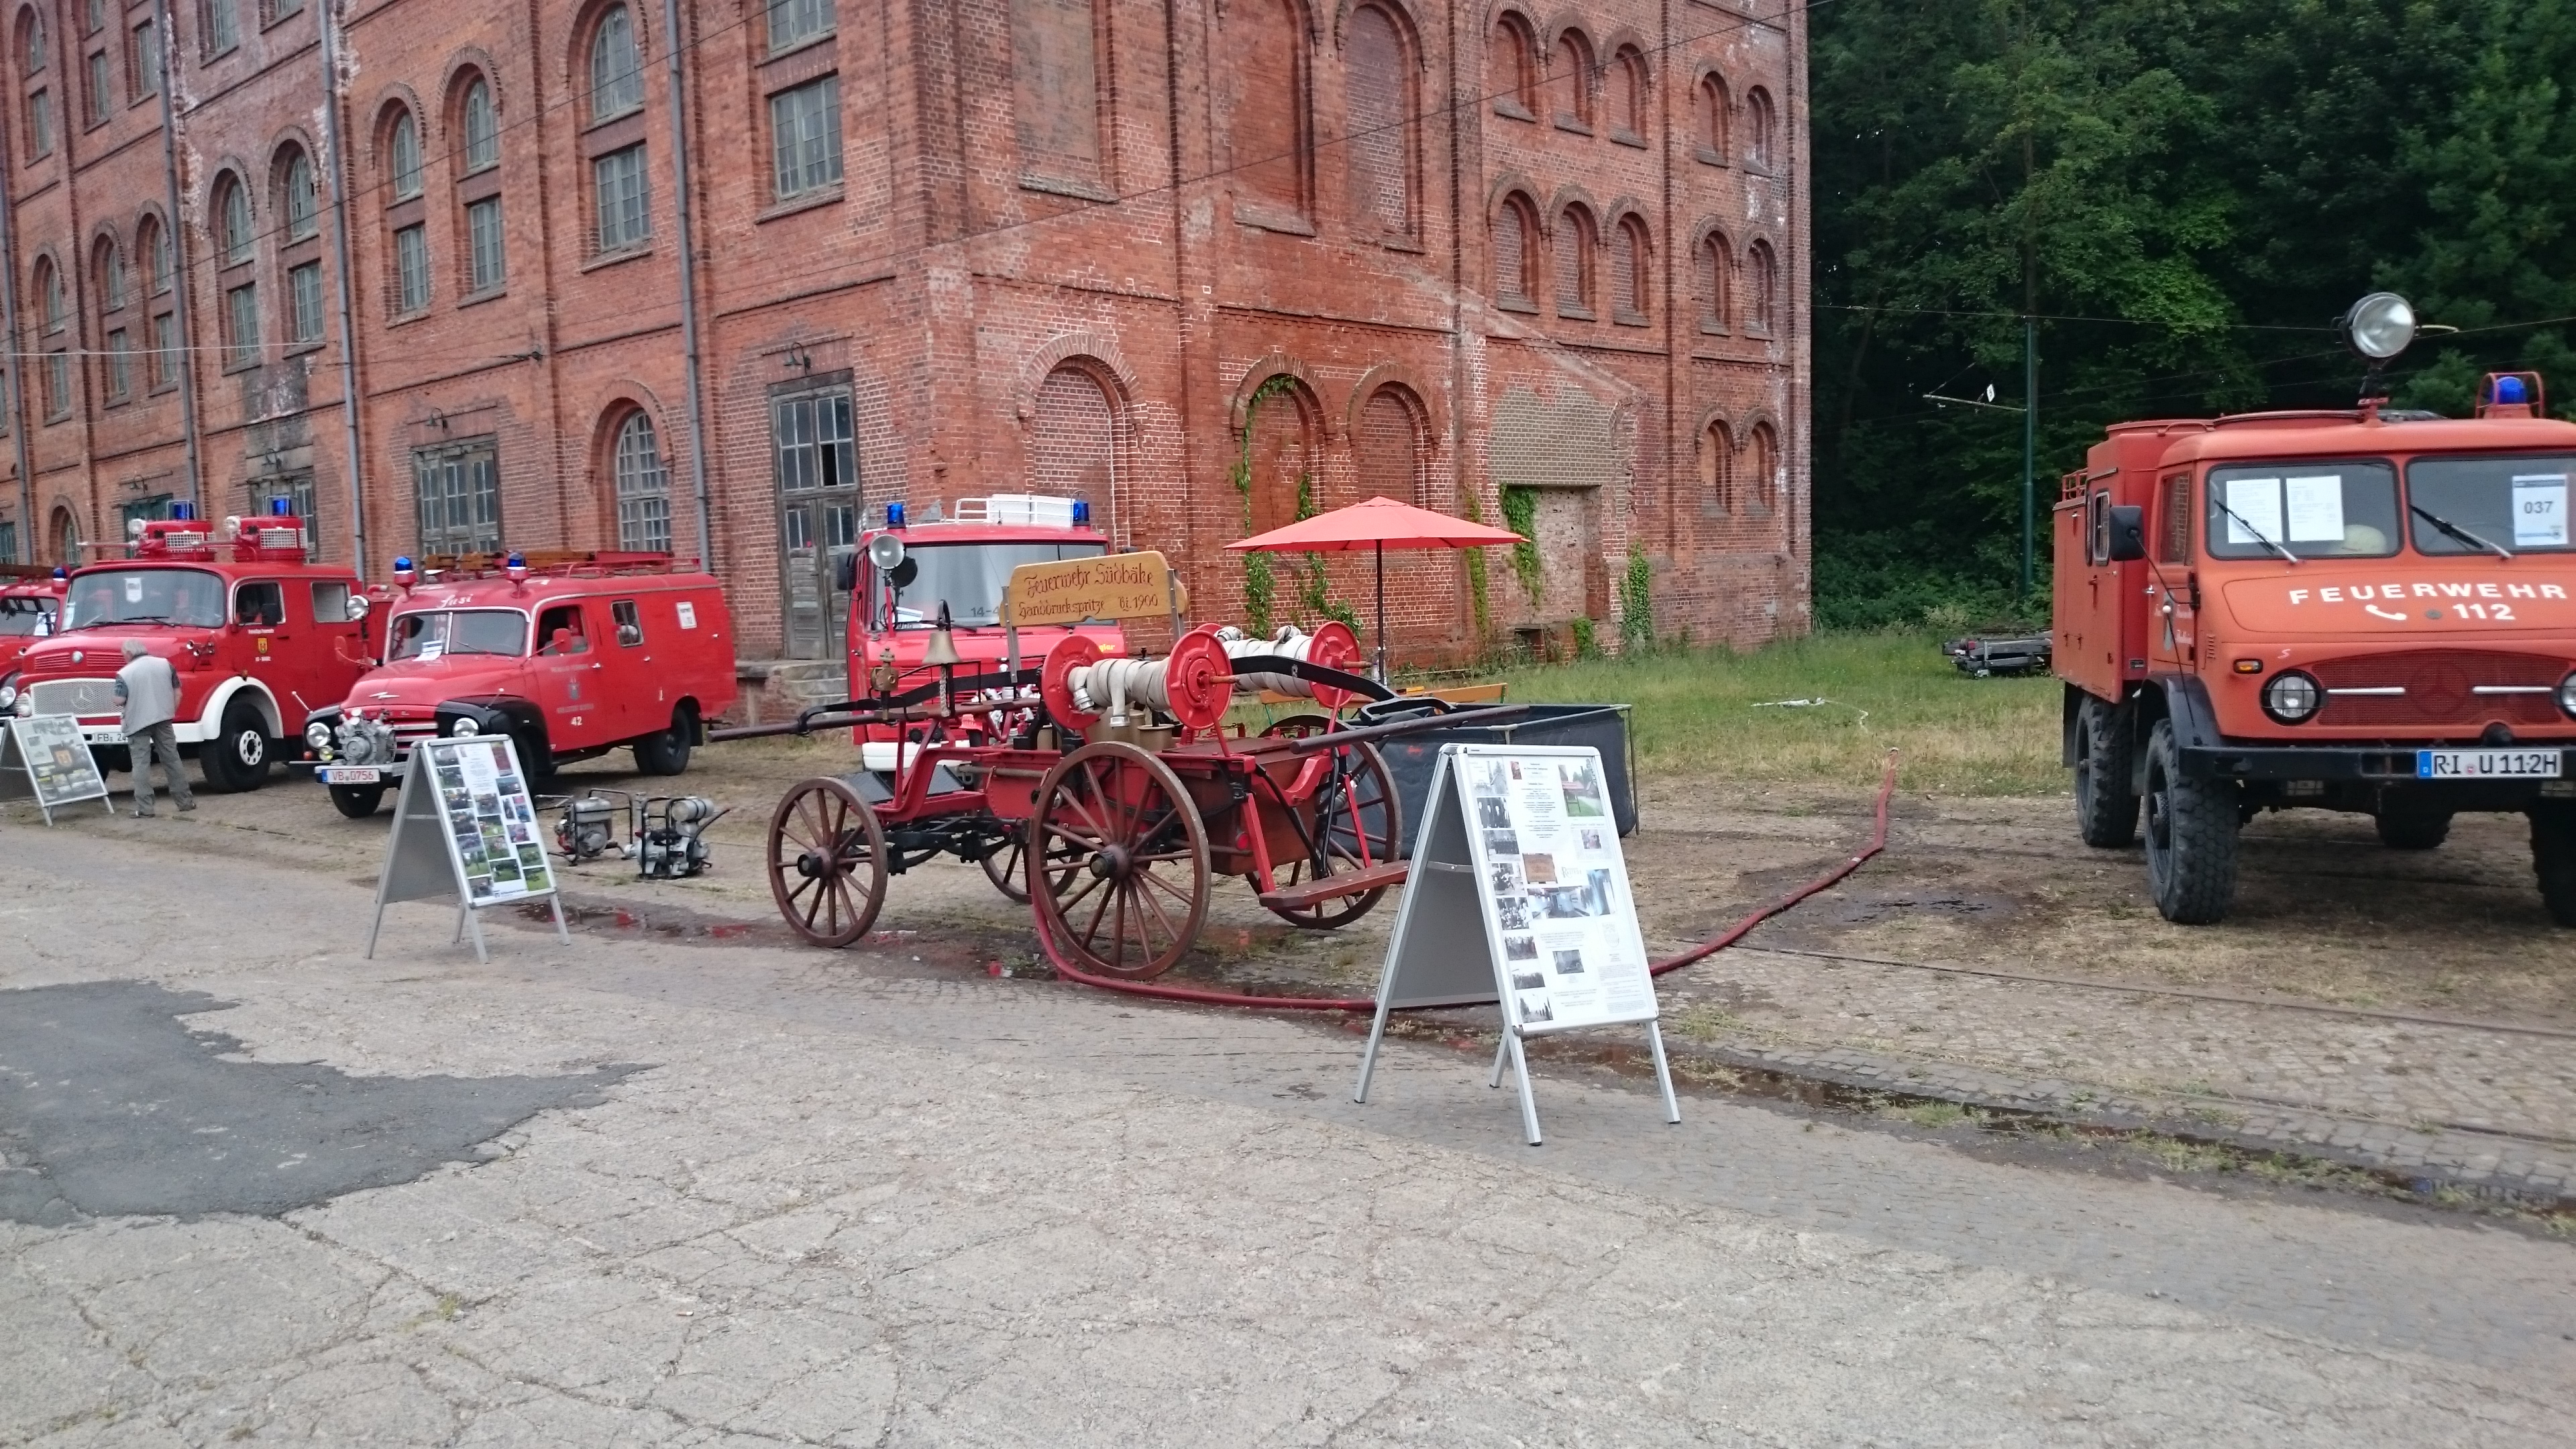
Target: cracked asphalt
782 1197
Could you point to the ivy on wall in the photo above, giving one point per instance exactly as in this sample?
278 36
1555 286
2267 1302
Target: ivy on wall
1476 571
1636 600
1315 591
1520 515
1260 586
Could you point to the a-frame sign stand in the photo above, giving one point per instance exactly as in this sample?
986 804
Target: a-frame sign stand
457 824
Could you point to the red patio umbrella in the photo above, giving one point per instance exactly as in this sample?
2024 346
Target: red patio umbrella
1377 525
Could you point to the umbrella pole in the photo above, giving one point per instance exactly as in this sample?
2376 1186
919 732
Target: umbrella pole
1380 641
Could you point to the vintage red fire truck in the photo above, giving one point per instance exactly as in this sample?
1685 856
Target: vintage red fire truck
572 656
955 560
31 603
2362 610
259 636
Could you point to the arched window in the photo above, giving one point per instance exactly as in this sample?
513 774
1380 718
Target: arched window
1515 229
49 294
1073 437
1386 447
1569 81
1630 272
297 198
1576 243
31 42
1760 128
1268 125
1283 454
1761 305
1626 79
1717 468
643 487
1511 69
616 69
152 244
482 128
31 63
1382 127
1716 266
66 538
402 155
232 210
107 266
1711 112
1763 495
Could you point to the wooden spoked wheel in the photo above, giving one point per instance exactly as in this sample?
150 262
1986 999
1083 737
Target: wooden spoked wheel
827 862
1118 880
1007 867
1355 820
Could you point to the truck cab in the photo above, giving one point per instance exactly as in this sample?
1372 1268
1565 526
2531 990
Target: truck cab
31 605
2368 610
572 655
956 560
259 636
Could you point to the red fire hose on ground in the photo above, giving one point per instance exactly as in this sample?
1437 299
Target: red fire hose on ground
1700 952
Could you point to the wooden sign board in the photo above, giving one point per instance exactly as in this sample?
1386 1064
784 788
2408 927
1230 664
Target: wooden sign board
466 826
1519 856
43 758
1080 590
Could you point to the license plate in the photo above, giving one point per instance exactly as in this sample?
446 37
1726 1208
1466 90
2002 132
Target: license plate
2487 764
351 775
107 737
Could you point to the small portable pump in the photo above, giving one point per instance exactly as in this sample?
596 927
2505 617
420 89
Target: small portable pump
670 839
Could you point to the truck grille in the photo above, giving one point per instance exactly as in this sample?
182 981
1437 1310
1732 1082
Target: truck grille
2441 688
74 696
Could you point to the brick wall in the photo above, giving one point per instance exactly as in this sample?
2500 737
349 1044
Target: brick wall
1065 243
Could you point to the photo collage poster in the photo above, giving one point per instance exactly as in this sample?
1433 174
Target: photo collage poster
491 821
59 765
1555 889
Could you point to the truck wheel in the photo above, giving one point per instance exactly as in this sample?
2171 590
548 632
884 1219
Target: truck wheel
2553 859
536 756
2406 831
2105 810
667 753
357 801
236 759
2191 837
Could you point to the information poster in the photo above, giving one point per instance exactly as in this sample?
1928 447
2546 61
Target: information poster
2540 510
1555 890
491 820
48 760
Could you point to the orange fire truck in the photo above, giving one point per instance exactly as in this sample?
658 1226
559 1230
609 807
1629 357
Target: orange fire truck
259 637
2363 610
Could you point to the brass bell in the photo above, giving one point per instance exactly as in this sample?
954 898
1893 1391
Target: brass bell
943 648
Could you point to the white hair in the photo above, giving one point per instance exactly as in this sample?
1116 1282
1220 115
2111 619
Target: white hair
134 649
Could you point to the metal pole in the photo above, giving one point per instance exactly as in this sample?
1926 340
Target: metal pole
1380 640
340 172
177 231
27 527
671 49
2029 440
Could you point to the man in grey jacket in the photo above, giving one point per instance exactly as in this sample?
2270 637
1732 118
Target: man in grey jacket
148 688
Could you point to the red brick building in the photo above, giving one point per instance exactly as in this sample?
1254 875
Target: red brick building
1205 264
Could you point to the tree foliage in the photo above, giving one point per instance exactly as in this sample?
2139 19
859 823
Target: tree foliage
2187 193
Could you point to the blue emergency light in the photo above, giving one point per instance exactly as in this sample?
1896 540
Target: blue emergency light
894 515
183 512
516 567
403 574
1082 513
61 573
281 507
2509 391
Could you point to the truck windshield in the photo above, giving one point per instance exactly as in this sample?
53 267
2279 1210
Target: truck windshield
23 616
968 578
429 633
2313 510
190 597
2519 504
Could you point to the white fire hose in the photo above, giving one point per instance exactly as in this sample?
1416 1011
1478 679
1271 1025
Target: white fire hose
1289 642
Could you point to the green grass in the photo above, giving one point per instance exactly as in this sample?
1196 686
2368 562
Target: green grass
1705 713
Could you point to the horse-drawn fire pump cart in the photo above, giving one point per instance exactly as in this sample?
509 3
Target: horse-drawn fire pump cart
1104 790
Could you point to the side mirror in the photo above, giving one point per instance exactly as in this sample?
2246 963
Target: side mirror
2128 533
845 572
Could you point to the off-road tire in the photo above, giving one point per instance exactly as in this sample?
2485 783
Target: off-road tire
2106 811
536 754
667 752
237 758
2399 831
2191 837
2553 859
357 801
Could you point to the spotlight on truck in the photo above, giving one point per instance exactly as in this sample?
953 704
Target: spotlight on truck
2379 326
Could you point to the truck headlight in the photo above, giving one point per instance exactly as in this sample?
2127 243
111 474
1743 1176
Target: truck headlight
2292 697
465 728
2567 694
317 735
8 696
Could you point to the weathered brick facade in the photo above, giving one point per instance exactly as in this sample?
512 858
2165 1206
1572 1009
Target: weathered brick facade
995 245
